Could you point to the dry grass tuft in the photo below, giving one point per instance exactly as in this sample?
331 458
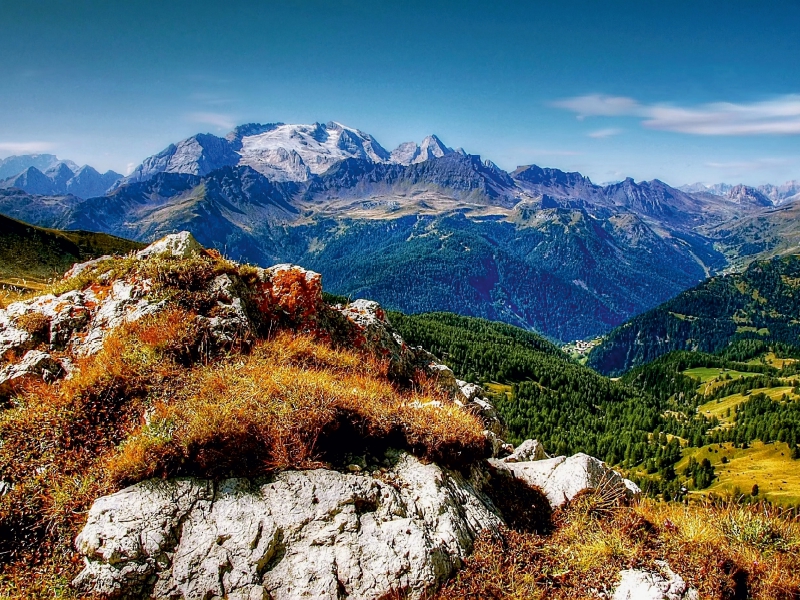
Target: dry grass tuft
291 403
725 552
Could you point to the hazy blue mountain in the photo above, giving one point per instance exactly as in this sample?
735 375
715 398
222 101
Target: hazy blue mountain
14 165
60 179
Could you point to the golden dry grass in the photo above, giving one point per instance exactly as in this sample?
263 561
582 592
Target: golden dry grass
770 466
282 406
724 552
56 440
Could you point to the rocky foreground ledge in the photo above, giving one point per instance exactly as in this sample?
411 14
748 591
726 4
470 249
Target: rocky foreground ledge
385 524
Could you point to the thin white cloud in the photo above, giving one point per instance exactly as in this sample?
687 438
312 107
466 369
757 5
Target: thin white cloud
129 169
779 116
599 105
25 147
604 133
221 121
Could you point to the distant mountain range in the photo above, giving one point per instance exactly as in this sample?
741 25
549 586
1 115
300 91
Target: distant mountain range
767 195
45 174
426 227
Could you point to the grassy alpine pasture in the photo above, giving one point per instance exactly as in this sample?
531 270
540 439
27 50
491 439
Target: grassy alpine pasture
769 466
720 408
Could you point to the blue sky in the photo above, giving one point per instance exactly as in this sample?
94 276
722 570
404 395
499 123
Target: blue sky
682 91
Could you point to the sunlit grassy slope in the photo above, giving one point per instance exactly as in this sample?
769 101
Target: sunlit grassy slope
30 256
769 466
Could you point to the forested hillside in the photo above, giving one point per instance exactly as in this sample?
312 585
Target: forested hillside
762 303
545 395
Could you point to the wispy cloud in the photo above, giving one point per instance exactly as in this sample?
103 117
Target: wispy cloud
778 116
604 133
219 120
25 147
599 105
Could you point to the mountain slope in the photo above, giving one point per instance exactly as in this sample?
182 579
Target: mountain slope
35 254
423 228
763 303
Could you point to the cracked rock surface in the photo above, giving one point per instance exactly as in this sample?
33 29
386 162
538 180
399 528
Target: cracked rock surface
306 534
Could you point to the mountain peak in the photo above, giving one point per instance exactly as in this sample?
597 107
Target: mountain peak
409 153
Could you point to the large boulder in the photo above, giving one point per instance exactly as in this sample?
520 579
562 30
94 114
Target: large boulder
310 534
562 478
527 451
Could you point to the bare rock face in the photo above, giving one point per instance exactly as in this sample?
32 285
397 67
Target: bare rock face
375 334
311 534
636 584
562 478
177 245
291 291
527 451
79 268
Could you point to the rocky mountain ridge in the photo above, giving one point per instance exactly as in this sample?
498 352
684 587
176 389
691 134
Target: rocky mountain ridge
775 194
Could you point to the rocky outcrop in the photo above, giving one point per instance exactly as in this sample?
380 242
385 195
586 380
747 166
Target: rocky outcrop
76 323
562 478
527 451
178 245
637 584
312 534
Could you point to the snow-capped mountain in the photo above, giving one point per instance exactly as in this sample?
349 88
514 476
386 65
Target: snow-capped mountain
775 194
717 189
780 194
299 150
283 152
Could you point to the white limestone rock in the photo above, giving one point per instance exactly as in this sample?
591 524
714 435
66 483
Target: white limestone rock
306 534
79 268
562 478
527 451
125 302
176 245
378 337
637 584
230 324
